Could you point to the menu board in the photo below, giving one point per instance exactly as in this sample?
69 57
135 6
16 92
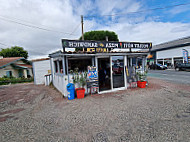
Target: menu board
92 77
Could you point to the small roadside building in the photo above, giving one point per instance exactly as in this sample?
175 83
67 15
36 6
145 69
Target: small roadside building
15 67
170 53
112 67
41 67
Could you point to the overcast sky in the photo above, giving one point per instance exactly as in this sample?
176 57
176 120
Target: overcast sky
39 25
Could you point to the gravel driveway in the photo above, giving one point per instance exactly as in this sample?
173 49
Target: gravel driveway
159 113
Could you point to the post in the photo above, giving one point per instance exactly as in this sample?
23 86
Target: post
172 62
82 29
63 64
143 63
58 67
125 74
111 73
131 61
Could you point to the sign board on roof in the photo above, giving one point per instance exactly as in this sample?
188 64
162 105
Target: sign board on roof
104 44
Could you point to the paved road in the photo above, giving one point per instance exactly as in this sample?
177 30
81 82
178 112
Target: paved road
171 75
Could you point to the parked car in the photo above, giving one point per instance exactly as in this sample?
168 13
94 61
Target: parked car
158 67
182 66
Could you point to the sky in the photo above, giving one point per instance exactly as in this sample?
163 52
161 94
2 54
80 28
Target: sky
39 26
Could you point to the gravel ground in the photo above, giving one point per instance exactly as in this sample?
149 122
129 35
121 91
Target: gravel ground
158 113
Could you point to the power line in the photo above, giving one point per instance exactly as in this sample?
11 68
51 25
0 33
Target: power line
11 18
158 8
33 26
75 29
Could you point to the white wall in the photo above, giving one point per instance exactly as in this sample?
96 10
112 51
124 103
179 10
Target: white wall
40 68
175 52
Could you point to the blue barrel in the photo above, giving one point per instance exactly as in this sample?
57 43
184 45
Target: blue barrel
71 91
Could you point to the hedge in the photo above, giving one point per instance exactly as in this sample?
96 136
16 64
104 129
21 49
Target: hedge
13 80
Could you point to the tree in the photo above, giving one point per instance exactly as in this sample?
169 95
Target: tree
100 35
14 52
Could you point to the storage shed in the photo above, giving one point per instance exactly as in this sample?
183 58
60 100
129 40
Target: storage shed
41 67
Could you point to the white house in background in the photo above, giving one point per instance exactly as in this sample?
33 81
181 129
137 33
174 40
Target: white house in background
15 67
41 67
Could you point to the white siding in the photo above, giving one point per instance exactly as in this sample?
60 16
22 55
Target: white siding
40 68
175 52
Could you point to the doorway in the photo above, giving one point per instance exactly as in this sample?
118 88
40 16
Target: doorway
118 71
104 74
20 73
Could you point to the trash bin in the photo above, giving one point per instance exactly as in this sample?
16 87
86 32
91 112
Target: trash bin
71 91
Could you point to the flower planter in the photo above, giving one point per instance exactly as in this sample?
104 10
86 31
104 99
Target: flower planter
141 84
80 93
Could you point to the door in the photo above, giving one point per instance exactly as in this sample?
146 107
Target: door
118 71
104 74
20 73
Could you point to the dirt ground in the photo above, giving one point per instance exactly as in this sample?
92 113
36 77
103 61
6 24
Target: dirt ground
159 113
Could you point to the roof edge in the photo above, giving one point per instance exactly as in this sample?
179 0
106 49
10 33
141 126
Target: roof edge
22 58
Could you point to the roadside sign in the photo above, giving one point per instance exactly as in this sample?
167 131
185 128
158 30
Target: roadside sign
185 55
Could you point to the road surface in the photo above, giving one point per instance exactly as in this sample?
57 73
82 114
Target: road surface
171 75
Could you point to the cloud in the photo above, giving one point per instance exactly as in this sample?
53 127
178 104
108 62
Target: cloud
178 10
155 32
63 16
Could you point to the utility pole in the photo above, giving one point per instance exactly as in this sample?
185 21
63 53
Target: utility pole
82 28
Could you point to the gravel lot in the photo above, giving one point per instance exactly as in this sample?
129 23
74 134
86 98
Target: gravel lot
159 113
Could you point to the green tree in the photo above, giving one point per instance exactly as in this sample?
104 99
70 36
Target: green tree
14 52
100 35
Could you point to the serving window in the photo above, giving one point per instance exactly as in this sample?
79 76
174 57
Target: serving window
79 64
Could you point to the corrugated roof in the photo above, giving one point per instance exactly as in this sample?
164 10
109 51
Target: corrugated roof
9 60
172 43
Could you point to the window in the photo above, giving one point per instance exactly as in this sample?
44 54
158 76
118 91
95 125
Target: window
61 66
28 73
9 73
55 65
80 64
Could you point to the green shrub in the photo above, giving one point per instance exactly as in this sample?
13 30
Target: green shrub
13 80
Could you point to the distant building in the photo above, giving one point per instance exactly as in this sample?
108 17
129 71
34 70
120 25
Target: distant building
170 53
15 67
41 67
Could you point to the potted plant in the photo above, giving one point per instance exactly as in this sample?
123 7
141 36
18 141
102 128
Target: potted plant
141 83
80 80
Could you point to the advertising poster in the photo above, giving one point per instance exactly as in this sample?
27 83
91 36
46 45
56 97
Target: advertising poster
185 55
131 76
92 77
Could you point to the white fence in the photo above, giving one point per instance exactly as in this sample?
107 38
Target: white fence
60 82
